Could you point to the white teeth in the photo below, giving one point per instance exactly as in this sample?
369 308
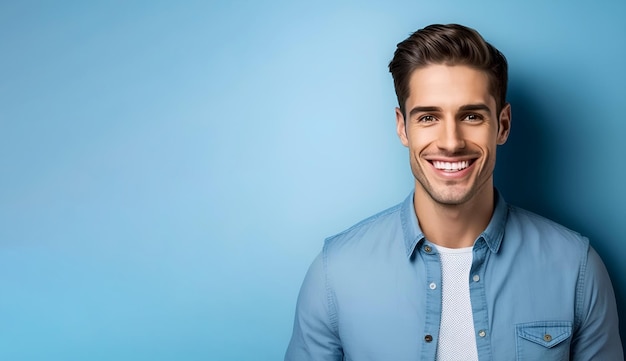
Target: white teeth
451 166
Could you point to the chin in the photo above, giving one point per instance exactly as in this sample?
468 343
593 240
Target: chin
451 198
450 201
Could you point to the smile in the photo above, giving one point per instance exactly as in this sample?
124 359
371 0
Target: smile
451 166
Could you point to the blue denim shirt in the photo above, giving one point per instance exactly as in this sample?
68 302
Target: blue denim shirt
538 292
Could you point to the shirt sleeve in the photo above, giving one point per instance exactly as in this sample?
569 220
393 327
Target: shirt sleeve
314 332
597 335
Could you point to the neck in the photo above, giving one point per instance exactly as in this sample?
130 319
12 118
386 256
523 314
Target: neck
454 226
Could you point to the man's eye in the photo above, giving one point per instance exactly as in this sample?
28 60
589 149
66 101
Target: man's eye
473 117
427 119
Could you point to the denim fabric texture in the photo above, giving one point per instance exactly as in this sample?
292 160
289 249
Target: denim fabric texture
538 292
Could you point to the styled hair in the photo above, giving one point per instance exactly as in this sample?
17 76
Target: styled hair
450 44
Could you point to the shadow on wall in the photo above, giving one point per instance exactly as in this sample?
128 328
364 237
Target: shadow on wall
523 173
529 176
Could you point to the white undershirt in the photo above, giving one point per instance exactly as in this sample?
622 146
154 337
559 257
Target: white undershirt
457 339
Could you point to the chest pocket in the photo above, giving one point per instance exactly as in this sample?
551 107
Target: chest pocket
543 340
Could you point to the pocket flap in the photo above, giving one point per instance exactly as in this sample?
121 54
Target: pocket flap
545 333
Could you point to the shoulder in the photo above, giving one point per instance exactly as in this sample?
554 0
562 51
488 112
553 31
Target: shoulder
369 230
533 227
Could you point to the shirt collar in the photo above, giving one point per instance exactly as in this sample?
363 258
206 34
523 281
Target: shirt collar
410 228
494 232
492 235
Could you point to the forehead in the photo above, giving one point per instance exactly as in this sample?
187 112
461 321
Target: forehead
449 86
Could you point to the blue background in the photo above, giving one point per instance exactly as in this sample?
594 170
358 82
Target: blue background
170 169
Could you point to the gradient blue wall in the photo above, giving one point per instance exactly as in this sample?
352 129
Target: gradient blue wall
169 169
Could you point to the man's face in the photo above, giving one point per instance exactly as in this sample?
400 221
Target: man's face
451 130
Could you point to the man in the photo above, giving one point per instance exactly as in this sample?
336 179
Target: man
453 272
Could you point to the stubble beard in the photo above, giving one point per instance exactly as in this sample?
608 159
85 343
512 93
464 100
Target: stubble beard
448 195
445 197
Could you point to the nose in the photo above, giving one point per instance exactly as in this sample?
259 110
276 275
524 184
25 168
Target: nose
450 136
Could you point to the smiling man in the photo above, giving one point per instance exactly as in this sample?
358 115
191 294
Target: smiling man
454 272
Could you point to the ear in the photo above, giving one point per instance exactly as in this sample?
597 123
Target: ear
504 125
401 127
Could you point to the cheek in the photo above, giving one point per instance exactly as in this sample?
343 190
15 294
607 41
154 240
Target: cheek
417 148
420 139
486 140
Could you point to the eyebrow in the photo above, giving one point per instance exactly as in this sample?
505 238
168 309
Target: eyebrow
475 107
418 109
463 108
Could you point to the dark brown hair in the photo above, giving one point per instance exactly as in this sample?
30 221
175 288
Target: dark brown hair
450 44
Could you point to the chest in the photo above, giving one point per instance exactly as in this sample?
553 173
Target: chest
394 312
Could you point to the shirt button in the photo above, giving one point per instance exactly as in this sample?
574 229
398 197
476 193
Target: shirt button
482 333
432 286
547 337
428 338
428 249
476 278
